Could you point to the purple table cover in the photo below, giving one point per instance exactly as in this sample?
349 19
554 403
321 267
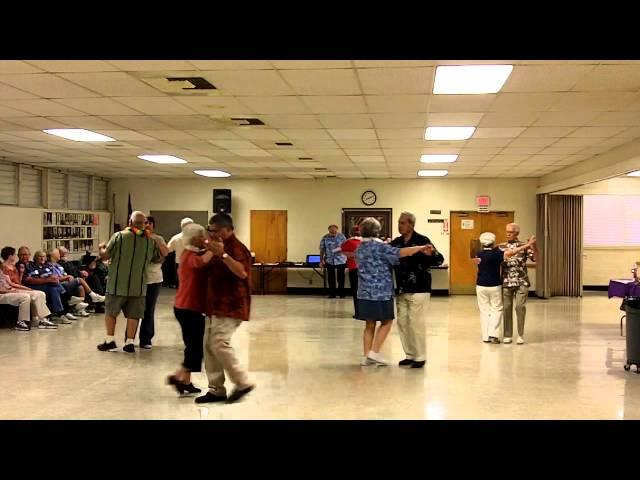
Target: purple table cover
623 287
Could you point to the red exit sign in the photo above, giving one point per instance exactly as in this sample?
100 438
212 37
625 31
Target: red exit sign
483 201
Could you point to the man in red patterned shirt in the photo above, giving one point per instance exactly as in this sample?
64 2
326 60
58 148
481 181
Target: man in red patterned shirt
228 305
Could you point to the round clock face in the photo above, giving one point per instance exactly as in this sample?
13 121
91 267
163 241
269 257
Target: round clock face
369 198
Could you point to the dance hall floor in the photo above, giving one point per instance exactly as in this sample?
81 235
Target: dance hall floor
304 352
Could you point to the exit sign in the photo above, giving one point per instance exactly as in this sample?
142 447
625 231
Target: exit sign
483 201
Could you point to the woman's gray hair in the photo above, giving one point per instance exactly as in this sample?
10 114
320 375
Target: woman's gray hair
191 231
370 227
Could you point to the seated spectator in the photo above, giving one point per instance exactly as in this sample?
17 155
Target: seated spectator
69 266
97 270
40 275
22 300
40 311
73 285
24 257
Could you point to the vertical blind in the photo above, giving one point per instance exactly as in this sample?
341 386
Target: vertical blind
30 186
8 184
100 200
57 190
78 192
611 220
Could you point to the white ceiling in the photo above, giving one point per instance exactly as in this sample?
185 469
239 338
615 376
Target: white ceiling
356 119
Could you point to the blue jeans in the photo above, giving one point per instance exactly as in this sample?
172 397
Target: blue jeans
147 326
53 293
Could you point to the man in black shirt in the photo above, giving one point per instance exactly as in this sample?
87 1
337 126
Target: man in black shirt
413 282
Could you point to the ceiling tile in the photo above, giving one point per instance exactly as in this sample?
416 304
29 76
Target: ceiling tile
602 132
392 63
151 65
62 66
335 104
346 121
547 132
303 133
155 105
397 103
565 119
310 64
46 85
112 84
488 132
528 102
260 134
611 78
41 107
248 82
545 78
461 103
16 67
291 121
97 106
409 133
215 106
322 82
396 81
274 105
461 119
609 119
399 120
353 134
513 118
231 64
597 102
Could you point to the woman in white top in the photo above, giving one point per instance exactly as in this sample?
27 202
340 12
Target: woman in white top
154 283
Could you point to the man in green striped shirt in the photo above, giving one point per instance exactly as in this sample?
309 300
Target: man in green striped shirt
130 251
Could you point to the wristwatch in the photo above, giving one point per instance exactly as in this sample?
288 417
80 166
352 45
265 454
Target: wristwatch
225 256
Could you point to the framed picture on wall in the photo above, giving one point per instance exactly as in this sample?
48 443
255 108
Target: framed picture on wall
353 216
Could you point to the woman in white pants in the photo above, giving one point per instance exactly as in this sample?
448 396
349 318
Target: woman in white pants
22 300
39 310
489 285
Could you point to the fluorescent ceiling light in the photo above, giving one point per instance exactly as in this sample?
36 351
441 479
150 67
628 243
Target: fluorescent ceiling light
79 135
470 79
162 159
438 158
432 173
448 133
634 174
212 173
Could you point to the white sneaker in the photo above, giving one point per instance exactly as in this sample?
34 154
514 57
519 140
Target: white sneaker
506 340
68 316
47 324
365 362
80 306
378 359
520 341
75 301
83 313
96 298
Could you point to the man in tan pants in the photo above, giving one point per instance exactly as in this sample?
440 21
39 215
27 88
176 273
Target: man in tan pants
228 306
515 281
413 280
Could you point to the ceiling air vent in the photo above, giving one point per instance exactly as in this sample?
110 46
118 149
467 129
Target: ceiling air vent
247 121
182 85
284 144
192 83
305 159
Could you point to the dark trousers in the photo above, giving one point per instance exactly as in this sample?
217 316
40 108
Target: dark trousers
192 326
331 273
353 281
147 327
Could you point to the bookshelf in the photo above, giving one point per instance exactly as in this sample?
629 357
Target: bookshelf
75 230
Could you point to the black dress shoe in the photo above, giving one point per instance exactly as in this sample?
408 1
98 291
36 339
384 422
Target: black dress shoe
190 388
107 347
237 394
418 364
407 362
494 340
210 398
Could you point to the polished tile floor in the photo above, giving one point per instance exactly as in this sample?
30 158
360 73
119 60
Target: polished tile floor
303 352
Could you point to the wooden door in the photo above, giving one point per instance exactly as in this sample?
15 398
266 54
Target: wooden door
463 271
465 228
269 243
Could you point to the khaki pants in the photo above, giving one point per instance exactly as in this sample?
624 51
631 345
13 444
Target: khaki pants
412 308
39 307
219 356
490 305
20 300
520 294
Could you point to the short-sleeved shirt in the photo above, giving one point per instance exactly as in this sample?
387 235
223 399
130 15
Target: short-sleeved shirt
31 270
514 270
192 289
489 267
57 268
375 269
12 272
5 283
227 294
329 245
154 270
176 244
351 246
130 254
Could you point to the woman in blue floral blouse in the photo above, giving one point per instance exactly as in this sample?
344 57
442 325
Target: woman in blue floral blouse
375 287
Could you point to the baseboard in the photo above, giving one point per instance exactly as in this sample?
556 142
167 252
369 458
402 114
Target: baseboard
347 291
596 288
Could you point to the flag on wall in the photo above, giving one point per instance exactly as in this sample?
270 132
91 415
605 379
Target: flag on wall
129 209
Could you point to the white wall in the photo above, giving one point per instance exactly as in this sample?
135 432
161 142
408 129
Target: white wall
314 204
23 226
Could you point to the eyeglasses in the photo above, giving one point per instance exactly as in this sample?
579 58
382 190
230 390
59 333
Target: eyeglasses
210 229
